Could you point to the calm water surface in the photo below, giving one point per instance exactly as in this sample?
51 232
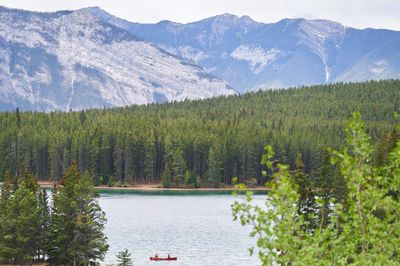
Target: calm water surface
198 229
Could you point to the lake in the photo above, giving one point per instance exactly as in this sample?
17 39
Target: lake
198 229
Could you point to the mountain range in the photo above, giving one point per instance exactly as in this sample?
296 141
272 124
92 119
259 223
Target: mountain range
89 58
72 60
251 55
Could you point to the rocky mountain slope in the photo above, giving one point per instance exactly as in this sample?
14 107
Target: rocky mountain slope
74 60
88 58
252 55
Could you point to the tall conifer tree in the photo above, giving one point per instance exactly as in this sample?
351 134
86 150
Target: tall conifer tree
78 222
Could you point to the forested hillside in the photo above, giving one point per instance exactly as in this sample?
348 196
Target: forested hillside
194 143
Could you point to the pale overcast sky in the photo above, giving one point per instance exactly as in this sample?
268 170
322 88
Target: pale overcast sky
354 13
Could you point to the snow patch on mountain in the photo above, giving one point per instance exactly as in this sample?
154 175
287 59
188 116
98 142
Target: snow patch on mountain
187 52
318 35
379 66
257 57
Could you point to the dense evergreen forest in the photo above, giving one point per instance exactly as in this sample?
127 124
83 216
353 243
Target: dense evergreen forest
64 229
195 143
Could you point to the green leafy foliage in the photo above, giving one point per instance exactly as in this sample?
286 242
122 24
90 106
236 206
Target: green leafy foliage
363 231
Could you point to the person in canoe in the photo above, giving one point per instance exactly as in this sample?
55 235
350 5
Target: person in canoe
156 257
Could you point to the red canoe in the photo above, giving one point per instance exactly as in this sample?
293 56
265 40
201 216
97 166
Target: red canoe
158 258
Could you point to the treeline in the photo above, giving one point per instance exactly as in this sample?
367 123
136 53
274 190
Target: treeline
194 143
67 230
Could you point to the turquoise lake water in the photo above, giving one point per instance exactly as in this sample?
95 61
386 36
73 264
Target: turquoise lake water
198 229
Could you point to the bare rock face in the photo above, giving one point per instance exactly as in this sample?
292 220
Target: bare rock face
88 58
292 52
75 60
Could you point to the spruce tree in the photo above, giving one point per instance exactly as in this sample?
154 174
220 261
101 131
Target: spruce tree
149 154
306 203
384 146
324 184
45 218
178 167
20 226
78 222
6 193
167 176
215 165
124 258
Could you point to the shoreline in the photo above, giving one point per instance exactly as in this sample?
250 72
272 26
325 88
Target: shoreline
158 187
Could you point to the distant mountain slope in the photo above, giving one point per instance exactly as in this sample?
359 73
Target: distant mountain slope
74 60
251 55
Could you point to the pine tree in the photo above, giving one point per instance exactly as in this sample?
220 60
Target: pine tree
306 203
166 179
45 221
78 222
6 193
124 258
16 144
324 184
19 226
178 167
149 154
167 176
215 165
30 182
385 146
